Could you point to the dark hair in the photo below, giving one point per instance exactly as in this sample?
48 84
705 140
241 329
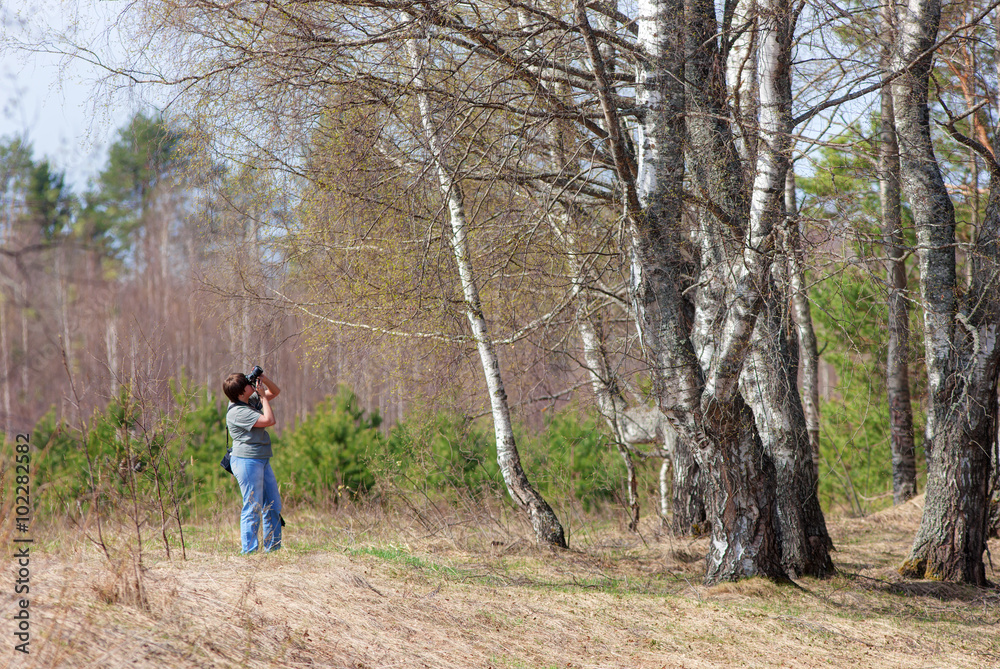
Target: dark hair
234 385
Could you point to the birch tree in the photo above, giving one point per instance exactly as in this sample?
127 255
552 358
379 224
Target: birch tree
704 406
791 237
904 469
769 381
960 328
637 429
547 528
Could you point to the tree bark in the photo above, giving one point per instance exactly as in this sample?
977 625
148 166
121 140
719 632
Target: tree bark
960 335
687 500
741 76
658 188
548 529
630 425
770 385
904 463
802 315
704 407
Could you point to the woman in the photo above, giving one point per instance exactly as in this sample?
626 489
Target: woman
251 460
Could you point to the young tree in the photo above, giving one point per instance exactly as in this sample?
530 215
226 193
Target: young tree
904 466
548 529
791 246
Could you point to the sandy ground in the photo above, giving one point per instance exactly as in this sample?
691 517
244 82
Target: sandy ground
616 602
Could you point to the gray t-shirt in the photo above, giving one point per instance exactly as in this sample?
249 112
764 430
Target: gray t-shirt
248 441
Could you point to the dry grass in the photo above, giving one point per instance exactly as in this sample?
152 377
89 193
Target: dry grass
445 589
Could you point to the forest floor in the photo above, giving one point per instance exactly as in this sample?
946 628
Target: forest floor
359 589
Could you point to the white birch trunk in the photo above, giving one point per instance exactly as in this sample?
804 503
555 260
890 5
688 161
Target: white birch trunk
750 272
547 527
111 345
802 316
769 382
741 77
769 385
739 475
654 36
665 489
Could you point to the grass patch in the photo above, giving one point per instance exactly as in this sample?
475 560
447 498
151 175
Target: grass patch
399 556
365 587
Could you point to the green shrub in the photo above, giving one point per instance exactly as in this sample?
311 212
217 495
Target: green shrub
444 452
574 456
60 467
336 451
326 455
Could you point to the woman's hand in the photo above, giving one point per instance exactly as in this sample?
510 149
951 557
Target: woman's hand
271 388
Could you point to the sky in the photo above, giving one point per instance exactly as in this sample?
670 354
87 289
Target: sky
53 101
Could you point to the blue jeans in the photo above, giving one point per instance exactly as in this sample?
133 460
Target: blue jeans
260 498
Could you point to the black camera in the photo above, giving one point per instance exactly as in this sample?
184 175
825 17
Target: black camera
254 375
254 402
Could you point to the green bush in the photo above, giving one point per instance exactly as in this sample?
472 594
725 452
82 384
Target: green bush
326 456
445 452
336 451
60 467
574 456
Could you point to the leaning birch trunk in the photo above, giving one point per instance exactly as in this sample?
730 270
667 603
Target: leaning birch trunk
547 528
960 334
904 463
664 491
630 425
610 402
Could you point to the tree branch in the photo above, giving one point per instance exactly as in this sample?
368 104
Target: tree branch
965 140
898 73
